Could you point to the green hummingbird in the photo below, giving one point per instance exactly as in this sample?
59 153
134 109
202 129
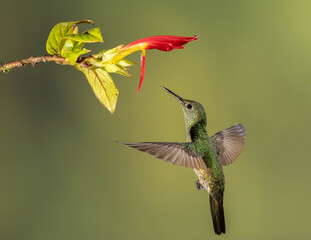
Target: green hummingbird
206 155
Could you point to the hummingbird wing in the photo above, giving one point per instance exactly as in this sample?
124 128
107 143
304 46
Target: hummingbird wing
182 154
229 143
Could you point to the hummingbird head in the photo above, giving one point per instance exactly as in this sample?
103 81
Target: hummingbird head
193 111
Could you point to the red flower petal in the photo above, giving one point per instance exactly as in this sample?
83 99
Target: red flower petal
142 69
161 42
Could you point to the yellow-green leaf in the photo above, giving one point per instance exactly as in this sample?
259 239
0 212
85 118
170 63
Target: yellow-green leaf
111 68
60 30
90 36
72 54
125 63
102 85
107 55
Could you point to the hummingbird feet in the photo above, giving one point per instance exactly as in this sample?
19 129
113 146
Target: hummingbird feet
198 185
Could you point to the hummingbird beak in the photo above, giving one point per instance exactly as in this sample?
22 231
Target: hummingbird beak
180 99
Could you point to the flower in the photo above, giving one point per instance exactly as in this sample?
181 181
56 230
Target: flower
162 42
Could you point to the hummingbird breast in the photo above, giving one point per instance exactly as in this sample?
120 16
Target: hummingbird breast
212 178
212 181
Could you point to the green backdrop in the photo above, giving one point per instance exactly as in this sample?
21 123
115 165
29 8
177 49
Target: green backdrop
63 176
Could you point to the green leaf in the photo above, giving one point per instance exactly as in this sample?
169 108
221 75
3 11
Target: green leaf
60 30
107 55
104 60
125 63
102 85
72 44
90 36
72 50
124 72
111 68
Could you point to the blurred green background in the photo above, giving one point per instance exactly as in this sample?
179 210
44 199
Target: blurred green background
62 176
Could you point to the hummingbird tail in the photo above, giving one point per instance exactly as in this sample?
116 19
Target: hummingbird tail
218 216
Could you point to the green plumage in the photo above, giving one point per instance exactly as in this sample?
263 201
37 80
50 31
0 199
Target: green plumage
212 178
204 154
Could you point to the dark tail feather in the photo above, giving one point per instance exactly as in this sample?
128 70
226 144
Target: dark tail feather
218 216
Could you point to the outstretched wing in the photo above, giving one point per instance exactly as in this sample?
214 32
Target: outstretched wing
182 154
229 143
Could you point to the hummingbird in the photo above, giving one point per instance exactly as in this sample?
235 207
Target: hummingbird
205 155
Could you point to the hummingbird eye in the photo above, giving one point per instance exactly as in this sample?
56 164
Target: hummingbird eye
189 106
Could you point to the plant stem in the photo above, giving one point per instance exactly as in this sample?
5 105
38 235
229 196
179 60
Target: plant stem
5 67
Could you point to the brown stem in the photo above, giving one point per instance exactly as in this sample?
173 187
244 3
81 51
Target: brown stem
35 60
